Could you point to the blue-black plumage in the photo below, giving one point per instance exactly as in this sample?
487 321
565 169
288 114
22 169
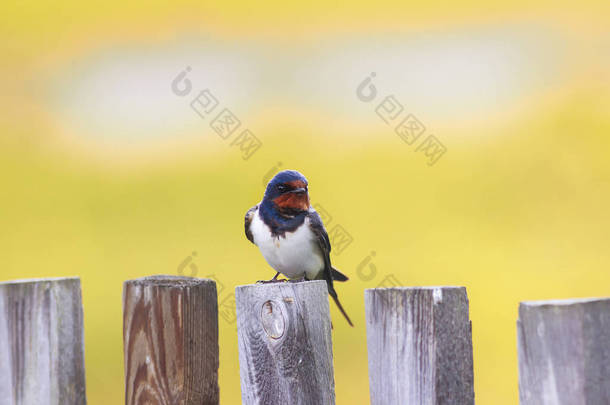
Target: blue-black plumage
290 233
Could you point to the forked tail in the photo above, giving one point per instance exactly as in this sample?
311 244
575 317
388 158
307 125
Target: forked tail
337 275
333 294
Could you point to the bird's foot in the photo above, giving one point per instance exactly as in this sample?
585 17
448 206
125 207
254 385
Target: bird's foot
273 280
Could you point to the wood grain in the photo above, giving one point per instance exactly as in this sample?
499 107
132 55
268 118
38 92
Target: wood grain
285 348
419 346
170 337
41 342
564 352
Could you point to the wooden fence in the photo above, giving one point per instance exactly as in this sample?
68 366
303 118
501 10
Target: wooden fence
419 345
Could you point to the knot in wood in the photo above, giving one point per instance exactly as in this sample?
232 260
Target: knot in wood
272 319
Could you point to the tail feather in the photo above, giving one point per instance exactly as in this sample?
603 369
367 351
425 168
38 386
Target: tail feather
337 275
333 294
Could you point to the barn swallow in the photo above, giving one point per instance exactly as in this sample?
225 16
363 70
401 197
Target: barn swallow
290 233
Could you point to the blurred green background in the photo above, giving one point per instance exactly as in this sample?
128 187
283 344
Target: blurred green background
107 174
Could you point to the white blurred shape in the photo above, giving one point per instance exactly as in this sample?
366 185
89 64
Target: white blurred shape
445 76
126 94
439 77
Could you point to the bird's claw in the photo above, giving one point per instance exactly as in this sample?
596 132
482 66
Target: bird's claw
273 280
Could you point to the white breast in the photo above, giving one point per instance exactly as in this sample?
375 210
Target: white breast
296 254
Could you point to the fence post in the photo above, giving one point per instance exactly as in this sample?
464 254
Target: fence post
419 346
170 338
42 357
564 352
285 348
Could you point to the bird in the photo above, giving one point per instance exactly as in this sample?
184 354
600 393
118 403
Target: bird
290 234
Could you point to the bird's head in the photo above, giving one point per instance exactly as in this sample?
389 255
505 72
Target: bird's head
288 192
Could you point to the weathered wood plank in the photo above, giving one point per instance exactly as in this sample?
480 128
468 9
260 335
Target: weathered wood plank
419 346
564 352
285 348
170 337
42 357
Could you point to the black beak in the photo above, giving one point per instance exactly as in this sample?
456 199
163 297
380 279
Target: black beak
299 190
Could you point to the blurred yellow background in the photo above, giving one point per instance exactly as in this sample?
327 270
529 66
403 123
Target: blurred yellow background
107 174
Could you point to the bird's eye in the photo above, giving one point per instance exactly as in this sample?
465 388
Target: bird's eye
282 188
